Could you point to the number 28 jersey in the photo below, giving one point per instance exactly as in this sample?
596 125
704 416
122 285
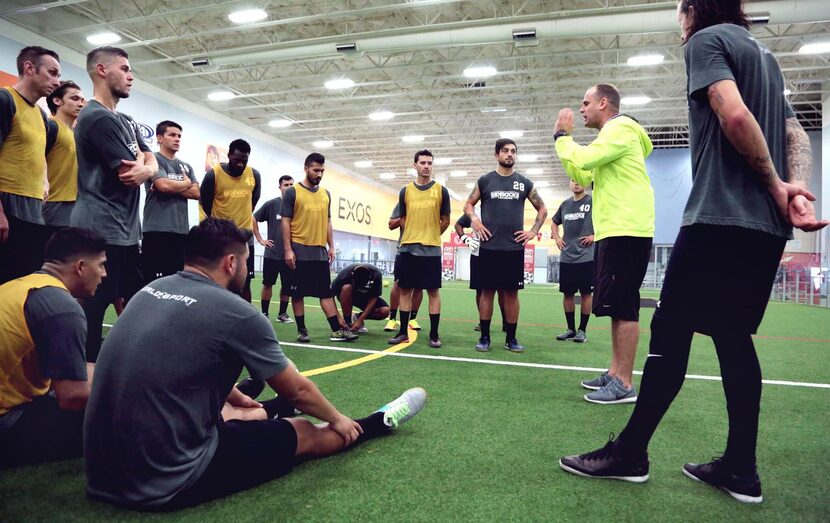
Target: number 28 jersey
503 209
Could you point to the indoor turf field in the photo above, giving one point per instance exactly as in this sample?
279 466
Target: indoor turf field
486 445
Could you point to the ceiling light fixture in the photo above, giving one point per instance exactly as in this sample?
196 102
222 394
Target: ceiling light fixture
486 110
381 116
470 185
458 174
442 161
247 16
280 123
635 100
221 96
485 71
363 164
387 176
103 38
412 138
411 172
788 92
536 171
339 83
528 157
323 144
512 134
815 48
646 59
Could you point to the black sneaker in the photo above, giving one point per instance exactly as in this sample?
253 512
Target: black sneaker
746 488
606 463
514 346
302 336
483 344
567 335
251 387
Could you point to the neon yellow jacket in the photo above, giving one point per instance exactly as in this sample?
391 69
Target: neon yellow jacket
616 164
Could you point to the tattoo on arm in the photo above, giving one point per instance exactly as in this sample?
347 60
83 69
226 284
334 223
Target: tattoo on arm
475 196
539 205
742 129
799 154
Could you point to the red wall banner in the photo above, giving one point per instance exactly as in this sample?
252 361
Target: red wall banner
530 258
448 261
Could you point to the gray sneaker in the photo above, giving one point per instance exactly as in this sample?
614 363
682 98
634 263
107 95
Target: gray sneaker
404 408
567 335
302 336
483 344
597 383
580 337
343 335
284 318
613 393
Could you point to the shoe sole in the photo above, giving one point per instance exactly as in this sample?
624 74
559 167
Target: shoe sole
396 342
482 349
580 341
613 402
743 498
289 320
630 479
564 339
343 339
590 387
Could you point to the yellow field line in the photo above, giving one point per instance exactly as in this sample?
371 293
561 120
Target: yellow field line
413 335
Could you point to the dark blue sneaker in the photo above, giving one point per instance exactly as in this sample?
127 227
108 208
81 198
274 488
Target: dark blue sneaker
514 346
606 463
483 344
746 488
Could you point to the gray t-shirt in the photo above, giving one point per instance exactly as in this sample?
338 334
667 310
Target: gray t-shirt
726 190
503 209
57 214
575 219
417 249
162 377
270 213
303 252
57 325
167 212
104 204
396 213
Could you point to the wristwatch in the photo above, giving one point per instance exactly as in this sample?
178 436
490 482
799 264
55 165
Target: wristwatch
559 134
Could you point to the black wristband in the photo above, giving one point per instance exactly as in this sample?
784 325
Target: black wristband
559 134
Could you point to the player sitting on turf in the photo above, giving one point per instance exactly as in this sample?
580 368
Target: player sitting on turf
153 435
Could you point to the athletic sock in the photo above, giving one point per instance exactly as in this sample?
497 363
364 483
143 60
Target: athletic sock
372 426
404 324
413 314
485 328
569 317
283 307
265 305
300 319
333 323
393 313
278 408
583 321
510 331
433 325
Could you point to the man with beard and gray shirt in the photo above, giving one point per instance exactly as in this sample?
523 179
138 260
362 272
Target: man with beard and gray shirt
165 208
501 229
576 263
113 163
273 263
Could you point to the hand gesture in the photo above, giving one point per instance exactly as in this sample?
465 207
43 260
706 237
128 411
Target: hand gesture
481 231
133 173
565 121
266 243
470 242
586 241
290 260
524 236
802 215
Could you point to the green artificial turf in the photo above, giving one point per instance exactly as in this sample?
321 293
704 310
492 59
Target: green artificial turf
486 445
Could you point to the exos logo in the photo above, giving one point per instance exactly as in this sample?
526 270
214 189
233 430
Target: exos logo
148 134
354 211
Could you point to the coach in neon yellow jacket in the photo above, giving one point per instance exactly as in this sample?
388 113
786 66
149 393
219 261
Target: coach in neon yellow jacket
623 218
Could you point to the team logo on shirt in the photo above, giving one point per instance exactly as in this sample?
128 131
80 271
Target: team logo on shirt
504 195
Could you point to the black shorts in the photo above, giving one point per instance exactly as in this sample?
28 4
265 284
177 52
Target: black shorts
720 278
249 453
395 267
271 268
576 277
310 278
22 252
250 267
498 270
124 274
162 254
44 432
419 272
360 301
621 264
